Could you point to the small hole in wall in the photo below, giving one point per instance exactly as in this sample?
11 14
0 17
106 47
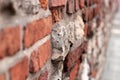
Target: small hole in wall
8 9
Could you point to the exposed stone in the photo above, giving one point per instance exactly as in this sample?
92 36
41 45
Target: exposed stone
79 28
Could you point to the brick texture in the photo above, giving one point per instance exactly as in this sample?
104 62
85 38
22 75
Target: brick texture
37 30
9 41
44 4
20 70
39 57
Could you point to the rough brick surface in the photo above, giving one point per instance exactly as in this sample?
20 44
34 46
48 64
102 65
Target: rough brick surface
37 30
74 71
20 70
55 15
70 6
9 41
57 3
44 4
73 57
39 57
61 39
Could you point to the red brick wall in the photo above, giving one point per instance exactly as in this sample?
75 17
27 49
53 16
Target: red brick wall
54 39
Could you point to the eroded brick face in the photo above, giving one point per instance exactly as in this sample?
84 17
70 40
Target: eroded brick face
74 71
9 41
44 4
37 30
39 57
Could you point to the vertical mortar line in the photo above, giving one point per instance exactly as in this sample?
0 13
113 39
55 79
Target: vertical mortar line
21 37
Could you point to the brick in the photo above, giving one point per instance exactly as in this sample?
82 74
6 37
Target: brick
74 56
20 70
2 77
70 6
90 15
74 71
37 30
57 3
9 41
34 62
76 5
55 15
87 3
39 57
86 30
85 14
82 4
93 73
44 4
43 76
90 32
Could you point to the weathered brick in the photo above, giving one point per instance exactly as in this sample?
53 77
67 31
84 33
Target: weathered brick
70 7
85 14
9 41
86 30
34 62
20 70
90 32
43 76
90 16
57 3
2 77
39 57
44 4
82 4
74 71
74 56
36 30
76 5
87 3
55 15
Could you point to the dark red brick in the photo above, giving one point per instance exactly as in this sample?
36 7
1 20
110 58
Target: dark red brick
74 56
74 71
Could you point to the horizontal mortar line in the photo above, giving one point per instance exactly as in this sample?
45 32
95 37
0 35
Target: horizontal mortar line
23 20
8 62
